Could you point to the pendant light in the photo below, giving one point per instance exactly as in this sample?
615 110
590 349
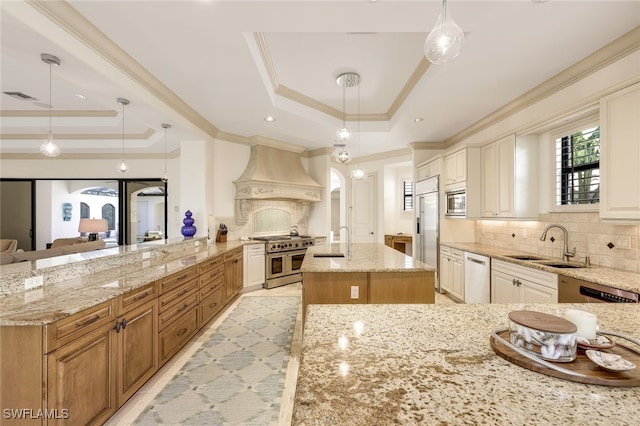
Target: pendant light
348 79
343 156
358 173
165 178
123 166
445 41
49 147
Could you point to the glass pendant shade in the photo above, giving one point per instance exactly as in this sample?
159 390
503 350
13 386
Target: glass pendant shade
123 167
358 174
344 157
49 147
445 41
344 133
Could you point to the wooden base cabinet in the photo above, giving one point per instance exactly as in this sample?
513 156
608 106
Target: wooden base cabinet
233 273
81 379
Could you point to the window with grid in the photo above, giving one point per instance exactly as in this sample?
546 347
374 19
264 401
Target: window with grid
578 167
407 190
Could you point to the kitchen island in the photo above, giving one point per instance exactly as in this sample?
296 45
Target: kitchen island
368 273
432 364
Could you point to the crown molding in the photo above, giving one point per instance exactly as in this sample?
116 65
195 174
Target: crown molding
77 136
59 113
415 146
90 156
601 58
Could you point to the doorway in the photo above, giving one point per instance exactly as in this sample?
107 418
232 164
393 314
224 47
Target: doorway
16 212
364 209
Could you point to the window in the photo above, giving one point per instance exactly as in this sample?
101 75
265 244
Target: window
578 166
407 191
109 213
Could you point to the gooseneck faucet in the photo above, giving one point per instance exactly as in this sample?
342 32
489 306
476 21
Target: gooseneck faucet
348 239
566 254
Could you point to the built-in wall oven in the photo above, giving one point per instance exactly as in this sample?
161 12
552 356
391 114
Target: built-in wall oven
573 290
284 256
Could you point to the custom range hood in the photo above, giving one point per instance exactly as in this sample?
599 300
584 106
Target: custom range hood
276 174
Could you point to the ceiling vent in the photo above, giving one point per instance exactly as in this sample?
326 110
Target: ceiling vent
21 96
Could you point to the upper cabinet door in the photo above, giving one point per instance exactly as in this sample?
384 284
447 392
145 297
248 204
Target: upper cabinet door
620 154
498 177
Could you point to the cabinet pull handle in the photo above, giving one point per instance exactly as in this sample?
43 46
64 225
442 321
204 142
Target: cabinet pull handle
213 305
89 321
481 262
117 327
124 323
183 307
182 293
182 277
181 332
141 296
513 281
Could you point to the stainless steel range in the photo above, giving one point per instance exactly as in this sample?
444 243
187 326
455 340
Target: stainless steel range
284 256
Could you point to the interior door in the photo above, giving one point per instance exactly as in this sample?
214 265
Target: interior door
16 212
130 191
364 219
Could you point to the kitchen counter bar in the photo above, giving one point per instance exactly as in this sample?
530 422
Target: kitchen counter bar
625 280
53 302
432 364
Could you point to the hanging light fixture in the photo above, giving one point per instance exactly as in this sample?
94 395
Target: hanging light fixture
358 173
49 147
445 41
343 156
123 166
165 178
347 79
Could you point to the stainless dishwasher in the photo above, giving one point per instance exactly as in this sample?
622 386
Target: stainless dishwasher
573 290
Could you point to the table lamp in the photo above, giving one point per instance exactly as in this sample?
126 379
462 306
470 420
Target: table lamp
93 227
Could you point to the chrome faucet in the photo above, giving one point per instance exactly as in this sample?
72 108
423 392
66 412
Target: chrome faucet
348 239
566 254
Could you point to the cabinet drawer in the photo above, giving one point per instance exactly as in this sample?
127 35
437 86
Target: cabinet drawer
176 295
135 298
77 325
232 254
175 336
185 303
445 250
458 254
210 306
211 275
175 280
210 263
211 286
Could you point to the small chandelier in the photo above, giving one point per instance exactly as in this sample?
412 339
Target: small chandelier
358 174
49 147
164 177
348 79
343 156
123 166
445 41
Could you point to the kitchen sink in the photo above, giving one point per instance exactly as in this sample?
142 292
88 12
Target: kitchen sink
524 257
560 264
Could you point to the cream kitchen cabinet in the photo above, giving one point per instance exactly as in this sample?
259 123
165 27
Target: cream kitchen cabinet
455 167
430 169
452 272
511 283
508 189
620 155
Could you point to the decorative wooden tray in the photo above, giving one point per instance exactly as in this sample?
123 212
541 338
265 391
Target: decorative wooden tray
593 374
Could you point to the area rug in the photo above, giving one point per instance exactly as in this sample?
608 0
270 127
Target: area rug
237 376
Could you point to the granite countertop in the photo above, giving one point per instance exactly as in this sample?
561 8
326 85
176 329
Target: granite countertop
365 257
432 364
53 302
624 280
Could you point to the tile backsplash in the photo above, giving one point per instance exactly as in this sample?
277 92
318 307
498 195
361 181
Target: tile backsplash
610 245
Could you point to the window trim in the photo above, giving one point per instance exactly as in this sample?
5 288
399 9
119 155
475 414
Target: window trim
568 129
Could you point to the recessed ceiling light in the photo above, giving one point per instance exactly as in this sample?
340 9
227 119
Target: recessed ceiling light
418 119
269 119
80 96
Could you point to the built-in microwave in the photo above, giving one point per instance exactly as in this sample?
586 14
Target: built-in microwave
456 203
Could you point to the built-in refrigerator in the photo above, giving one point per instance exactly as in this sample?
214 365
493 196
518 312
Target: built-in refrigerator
427 223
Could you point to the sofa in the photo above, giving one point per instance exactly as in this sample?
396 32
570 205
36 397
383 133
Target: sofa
59 247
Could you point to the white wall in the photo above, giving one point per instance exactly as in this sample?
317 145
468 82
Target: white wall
319 168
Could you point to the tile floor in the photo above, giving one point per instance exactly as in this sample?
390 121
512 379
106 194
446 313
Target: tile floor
132 409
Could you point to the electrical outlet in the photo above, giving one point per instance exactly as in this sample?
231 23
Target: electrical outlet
146 255
33 282
355 291
524 232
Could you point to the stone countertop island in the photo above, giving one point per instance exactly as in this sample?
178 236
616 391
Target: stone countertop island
433 365
371 273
